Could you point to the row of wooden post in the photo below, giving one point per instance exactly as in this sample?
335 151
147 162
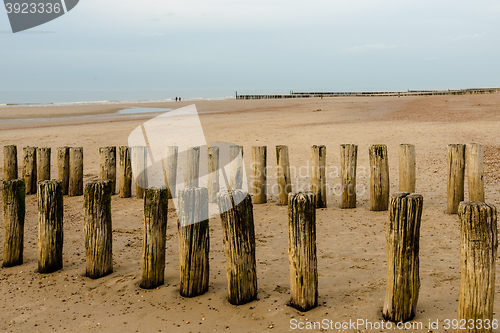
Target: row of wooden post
379 174
478 237
36 166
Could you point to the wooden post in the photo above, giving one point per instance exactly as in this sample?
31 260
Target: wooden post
194 241
125 172
43 163
171 170
475 174
456 176
318 174
348 165
402 234
283 174
213 173
107 166
407 168
75 171
379 178
14 208
29 169
302 259
154 237
50 226
239 245
63 168
478 252
236 167
10 162
259 176
98 228
192 172
139 169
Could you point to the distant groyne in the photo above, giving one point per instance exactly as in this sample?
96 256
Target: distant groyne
373 93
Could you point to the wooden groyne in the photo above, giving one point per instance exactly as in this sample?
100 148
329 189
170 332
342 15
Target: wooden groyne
322 94
478 230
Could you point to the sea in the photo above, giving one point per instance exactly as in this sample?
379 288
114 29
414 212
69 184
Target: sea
40 98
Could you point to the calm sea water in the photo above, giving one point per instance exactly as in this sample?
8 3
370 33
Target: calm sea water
82 97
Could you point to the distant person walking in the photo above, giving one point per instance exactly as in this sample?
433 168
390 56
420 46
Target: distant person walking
176 98
179 99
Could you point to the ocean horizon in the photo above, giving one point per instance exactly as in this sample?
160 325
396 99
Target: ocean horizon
9 98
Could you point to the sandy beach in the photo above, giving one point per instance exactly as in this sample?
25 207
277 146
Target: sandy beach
351 244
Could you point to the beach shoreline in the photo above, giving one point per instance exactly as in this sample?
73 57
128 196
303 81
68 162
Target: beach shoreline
351 242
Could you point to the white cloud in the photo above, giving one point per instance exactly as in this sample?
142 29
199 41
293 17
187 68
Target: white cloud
368 47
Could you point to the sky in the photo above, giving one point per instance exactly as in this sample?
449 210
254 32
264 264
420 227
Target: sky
334 45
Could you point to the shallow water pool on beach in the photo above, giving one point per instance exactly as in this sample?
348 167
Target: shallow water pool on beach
142 110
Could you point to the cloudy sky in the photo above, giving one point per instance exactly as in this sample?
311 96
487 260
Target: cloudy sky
256 44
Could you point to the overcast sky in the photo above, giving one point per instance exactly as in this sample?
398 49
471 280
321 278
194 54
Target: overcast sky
243 45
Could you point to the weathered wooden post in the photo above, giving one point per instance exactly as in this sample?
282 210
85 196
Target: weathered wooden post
63 168
236 167
318 174
43 163
192 172
107 165
50 226
239 245
283 174
139 156
407 177
125 172
259 176
194 241
98 228
478 252
14 208
348 165
302 259
402 234
154 237
379 178
213 173
456 176
171 170
475 174
29 169
10 162
75 171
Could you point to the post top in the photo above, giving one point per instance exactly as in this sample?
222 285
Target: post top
52 181
12 181
399 194
478 204
99 181
303 195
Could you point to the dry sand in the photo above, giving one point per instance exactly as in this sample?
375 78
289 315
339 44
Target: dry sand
350 243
